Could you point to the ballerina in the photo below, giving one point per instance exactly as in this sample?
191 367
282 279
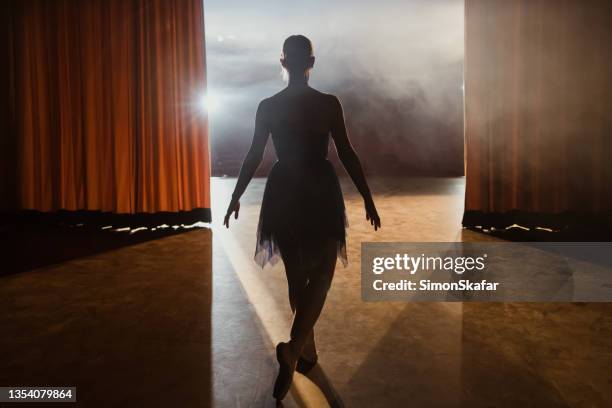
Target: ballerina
302 218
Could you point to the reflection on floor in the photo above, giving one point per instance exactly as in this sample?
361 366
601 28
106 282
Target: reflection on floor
401 354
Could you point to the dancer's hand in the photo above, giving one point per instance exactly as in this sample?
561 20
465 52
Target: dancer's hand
372 214
234 207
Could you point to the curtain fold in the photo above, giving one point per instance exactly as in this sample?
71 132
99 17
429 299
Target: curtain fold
103 106
538 97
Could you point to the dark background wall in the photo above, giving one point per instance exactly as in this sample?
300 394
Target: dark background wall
396 65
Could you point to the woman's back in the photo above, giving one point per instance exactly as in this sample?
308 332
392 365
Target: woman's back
300 121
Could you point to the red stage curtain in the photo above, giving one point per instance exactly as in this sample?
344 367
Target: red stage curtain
103 105
538 103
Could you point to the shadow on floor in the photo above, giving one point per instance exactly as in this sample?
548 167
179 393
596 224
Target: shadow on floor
318 377
127 328
490 355
29 246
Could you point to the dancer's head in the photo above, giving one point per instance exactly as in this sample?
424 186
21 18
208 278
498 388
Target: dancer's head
298 56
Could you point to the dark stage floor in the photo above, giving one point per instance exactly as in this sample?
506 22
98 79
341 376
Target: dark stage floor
128 327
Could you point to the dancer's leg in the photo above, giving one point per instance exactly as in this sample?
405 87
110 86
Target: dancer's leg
309 304
313 297
296 276
297 280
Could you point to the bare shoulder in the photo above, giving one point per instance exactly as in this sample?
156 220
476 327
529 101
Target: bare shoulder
264 106
269 104
276 97
266 102
324 95
334 105
333 102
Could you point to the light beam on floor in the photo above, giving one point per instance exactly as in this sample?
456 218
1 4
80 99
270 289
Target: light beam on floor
305 392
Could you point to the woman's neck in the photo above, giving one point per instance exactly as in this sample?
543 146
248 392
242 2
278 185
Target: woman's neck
298 81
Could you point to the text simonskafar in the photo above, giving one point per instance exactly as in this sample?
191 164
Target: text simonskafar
428 285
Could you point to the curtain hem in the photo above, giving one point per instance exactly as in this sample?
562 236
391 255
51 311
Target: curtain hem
529 225
100 219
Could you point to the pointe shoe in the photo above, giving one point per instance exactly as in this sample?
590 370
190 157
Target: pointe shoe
304 365
286 364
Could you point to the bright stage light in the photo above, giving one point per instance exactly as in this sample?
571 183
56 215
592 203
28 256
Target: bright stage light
209 102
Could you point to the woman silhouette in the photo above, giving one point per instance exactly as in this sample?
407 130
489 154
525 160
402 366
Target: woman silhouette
302 216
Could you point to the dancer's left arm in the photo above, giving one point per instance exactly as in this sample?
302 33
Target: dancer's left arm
251 161
351 162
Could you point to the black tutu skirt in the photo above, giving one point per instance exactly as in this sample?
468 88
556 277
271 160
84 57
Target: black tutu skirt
302 201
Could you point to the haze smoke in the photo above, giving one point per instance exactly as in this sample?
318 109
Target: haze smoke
396 65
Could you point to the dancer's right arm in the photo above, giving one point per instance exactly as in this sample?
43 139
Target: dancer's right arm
251 161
